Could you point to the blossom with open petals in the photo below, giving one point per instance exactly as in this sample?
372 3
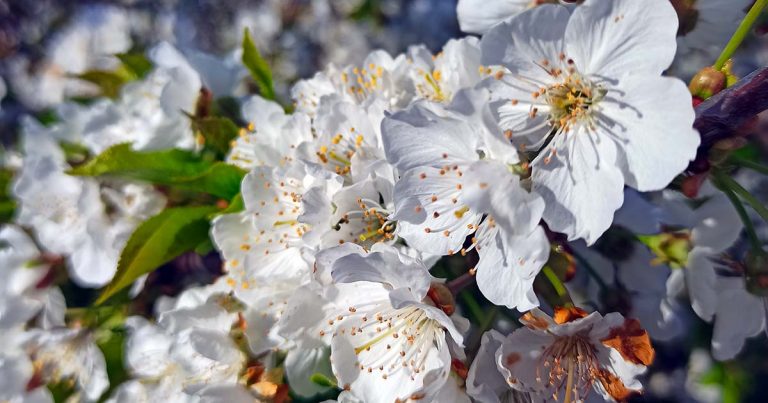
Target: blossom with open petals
582 92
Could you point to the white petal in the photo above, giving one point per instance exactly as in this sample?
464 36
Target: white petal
612 38
209 316
418 137
582 190
384 264
719 225
652 118
484 381
478 16
508 266
430 200
739 315
490 187
371 387
701 281
519 357
522 43
15 372
301 364
147 348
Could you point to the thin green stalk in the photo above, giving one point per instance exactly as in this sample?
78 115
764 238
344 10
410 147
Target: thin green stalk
487 322
560 289
473 307
745 163
740 210
740 33
744 194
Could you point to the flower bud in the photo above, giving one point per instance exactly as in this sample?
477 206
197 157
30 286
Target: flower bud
670 248
691 185
687 15
459 368
757 273
442 297
707 82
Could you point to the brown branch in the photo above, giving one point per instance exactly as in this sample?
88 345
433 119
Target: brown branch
723 115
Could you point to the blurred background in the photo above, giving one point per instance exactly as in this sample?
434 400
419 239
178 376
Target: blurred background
42 42
45 43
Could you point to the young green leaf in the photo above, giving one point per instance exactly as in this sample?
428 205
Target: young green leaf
257 66
156 242
108 82
322 380
177 168
137 63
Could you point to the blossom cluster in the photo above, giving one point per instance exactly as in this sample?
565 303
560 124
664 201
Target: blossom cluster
540 161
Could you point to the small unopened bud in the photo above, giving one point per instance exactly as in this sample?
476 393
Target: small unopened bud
459 368
757 273
562 263
670 248
691 185
441 296
707 82
687 15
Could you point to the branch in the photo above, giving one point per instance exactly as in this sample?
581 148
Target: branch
722 116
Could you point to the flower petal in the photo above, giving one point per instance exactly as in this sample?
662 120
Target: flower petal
583 190
612 38
652 120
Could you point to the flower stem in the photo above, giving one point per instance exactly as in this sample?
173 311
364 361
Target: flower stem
459 283
740 33
557 285
740 210
745 163
473 307
745 195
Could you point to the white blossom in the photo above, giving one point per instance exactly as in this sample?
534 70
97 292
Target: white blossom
583 93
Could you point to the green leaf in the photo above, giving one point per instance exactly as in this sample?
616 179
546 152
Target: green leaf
158 241
222 180
322 380
137 63
7 209
218 132
178 168
113 350
257 66
109 82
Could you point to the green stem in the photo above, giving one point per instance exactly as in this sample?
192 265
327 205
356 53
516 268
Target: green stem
740 33
558 286
740 210
487 322
745 195
745 163
473 307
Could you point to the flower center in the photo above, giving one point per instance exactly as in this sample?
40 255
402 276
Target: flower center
337 154
368 225
572 365
571 101
431 87
361 82
388 340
